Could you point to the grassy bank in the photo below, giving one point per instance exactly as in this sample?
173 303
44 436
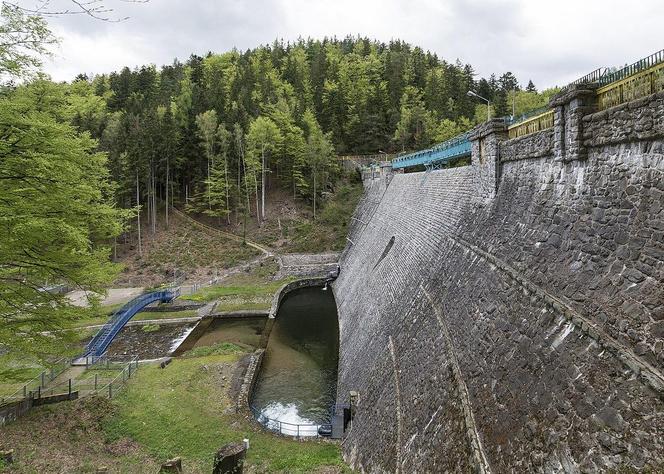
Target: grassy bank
184 410
244 291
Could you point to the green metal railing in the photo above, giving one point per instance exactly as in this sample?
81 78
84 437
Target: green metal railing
634 68
632 82
590 78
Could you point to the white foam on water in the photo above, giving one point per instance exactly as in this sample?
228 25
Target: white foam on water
176 342
285 418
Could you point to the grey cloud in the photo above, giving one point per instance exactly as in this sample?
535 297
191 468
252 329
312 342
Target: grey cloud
548 42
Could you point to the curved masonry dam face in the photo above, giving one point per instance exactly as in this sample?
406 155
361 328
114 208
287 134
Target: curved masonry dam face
297 379
508 316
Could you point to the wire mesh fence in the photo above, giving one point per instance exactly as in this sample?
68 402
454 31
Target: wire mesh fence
38 383
103 376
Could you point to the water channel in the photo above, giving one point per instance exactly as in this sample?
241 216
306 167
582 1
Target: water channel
296 385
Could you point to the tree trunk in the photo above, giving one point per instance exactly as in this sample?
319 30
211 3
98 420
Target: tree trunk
167 179
138 205
208 181
154 201
228 201
263 183
258 213
239 186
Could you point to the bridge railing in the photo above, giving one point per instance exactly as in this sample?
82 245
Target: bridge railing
446 151
107 333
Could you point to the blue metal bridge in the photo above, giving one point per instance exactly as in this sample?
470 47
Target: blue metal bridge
457 147
98 345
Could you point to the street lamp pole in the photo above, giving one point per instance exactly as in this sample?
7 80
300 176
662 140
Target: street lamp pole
488 103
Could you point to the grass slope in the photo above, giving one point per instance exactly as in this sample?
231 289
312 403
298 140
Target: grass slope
244 291
183 410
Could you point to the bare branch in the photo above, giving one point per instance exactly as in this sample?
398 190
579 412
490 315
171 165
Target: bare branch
96 9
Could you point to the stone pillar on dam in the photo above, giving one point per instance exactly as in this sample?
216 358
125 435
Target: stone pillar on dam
569 108
386 173
485 155
508 316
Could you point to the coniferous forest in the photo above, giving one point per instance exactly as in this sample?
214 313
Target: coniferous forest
219 131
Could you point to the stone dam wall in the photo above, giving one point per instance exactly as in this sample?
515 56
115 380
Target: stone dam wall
508 316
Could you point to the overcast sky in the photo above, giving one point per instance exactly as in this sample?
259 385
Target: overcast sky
550 42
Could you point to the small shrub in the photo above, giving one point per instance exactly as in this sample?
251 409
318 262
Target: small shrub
150 328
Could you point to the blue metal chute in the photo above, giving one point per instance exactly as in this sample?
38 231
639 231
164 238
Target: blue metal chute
442 153
98 345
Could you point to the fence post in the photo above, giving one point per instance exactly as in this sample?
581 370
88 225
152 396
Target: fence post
39 392
96 382
110 390
129 368
70 387
25 391
42 379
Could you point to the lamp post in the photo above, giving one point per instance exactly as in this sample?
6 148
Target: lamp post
488 103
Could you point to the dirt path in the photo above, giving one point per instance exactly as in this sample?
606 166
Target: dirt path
266 251
113 296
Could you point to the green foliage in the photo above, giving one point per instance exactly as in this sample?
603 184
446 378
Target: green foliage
150 327
329 230
212 293
526 101
363 95
448 129
222 348
57 208
24 39
415 129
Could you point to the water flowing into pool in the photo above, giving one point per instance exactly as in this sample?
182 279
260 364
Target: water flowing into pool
297 381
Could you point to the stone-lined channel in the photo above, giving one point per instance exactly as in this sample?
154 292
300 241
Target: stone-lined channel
296 383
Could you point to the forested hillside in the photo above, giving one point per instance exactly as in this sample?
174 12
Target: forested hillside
235 136
218 132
